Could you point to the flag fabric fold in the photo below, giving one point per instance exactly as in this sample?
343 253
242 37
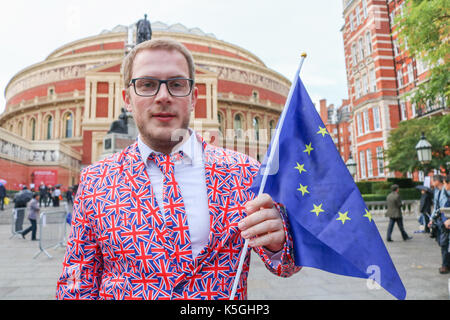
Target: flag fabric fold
330 223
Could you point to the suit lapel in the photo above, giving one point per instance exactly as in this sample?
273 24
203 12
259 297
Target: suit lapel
216 174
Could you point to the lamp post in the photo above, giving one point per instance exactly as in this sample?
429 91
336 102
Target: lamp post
423 148
351 165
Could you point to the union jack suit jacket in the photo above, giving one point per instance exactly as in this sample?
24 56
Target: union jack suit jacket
118 246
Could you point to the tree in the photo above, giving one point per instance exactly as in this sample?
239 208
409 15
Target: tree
401 153
425 27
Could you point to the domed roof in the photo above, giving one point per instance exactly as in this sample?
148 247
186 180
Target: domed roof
161 26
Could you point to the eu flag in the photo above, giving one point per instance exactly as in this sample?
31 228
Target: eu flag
330 223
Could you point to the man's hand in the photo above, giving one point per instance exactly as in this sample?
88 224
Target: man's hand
263 225
447 223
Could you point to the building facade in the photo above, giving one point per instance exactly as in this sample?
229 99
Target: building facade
380 75
59 110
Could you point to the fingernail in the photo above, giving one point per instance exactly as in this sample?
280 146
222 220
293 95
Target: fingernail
244 234
241 225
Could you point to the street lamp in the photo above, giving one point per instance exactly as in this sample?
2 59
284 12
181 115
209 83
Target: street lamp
423 148
351 165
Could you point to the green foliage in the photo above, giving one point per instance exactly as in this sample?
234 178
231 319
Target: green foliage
401 153
425 27
373 197
365 187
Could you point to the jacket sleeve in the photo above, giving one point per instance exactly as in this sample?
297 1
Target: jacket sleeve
285 265
83 263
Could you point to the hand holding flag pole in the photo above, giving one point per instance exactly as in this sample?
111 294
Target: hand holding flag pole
267 170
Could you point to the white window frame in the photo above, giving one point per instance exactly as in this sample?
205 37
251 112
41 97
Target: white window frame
362 164
366 121
369 163
403 115
369 42
373 80
380 161
359 124
376 118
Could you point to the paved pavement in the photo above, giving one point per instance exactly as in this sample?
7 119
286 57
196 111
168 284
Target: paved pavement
417 261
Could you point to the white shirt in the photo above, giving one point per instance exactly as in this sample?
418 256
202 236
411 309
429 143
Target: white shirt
190 176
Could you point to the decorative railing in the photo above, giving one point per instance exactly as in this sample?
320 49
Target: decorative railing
379 208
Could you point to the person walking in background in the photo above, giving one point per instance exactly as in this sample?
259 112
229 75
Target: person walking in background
56 195
69 196
42 194
33 214
443 225
394 212
425 208
2 196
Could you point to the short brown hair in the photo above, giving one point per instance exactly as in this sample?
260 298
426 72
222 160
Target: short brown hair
164 44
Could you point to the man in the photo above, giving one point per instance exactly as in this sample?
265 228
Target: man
42 194
425 208
394 212
167 217
439 220
33 215
2 196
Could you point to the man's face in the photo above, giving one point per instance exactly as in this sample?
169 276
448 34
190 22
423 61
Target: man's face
160 116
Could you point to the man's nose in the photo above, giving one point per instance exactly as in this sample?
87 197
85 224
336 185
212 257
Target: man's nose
163 93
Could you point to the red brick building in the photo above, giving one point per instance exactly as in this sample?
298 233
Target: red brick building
379 75
338 123
59 110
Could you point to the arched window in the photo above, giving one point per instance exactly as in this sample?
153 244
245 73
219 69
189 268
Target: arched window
221 121
20 129
68 125
256 128
33 129
49 127
271 127
238 125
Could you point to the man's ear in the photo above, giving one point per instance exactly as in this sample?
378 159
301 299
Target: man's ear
126 99
194 98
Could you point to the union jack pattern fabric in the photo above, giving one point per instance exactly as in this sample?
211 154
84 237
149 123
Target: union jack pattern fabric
119 246
174 211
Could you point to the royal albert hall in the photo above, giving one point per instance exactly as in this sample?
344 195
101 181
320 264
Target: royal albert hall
58 111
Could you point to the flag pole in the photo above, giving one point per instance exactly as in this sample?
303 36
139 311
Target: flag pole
273 149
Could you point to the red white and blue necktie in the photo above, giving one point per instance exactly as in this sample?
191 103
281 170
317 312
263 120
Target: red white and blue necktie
173 208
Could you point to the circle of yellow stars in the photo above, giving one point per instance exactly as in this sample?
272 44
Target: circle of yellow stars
343 216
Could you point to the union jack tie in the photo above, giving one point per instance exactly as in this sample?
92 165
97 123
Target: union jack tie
173 208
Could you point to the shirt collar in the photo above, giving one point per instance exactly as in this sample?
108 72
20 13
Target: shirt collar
192 149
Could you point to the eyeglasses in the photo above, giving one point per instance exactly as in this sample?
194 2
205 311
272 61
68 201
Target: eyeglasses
148 86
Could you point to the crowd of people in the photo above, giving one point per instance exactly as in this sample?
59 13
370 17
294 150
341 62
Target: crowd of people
33 200
432 219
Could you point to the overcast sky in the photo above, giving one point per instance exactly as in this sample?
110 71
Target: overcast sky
277 31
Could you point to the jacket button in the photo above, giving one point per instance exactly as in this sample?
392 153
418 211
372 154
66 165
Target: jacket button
180 287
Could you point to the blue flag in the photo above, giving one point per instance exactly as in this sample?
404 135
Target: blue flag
330 224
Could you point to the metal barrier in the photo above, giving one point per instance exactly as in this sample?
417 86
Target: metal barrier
17 218
52 231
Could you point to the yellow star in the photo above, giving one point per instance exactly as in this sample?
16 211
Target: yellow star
322 131
368 215
343 217
317 209
308 148
303 189
300 167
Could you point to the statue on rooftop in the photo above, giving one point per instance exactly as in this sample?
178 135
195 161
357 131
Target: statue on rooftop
143 30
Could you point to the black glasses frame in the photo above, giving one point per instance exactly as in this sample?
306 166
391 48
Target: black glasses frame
133 82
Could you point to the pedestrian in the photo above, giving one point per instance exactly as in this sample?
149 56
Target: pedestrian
394 212
42 194
425 209
168 216
56 196
49 195
69 196
443 226
21 200
2 196
33 215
